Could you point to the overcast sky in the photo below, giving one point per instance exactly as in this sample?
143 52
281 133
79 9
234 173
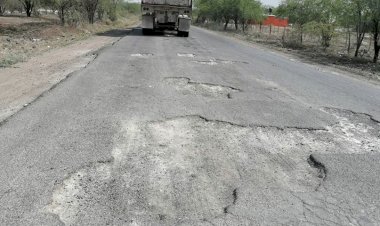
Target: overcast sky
265 2
271 2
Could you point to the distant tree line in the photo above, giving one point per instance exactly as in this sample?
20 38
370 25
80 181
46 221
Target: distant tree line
71 11
239 11
324 17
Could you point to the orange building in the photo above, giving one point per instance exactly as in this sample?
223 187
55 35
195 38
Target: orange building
277 22
274 21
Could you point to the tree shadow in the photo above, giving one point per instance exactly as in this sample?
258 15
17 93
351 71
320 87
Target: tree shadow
137 31
118 33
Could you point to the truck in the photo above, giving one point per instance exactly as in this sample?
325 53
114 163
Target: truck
166 15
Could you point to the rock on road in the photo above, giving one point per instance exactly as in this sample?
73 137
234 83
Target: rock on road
205 130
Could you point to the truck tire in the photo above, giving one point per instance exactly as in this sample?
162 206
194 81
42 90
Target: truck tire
183 34
146 31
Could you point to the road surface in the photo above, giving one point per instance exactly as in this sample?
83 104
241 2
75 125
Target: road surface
205 130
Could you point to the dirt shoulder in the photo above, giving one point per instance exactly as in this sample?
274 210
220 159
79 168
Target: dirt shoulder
359 68
23 82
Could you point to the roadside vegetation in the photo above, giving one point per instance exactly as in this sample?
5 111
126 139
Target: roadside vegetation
30 27
337 32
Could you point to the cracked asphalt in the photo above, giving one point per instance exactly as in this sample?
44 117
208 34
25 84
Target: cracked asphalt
205 130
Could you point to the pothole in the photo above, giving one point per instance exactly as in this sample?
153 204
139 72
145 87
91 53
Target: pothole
190 55
142 55
192 168
186 86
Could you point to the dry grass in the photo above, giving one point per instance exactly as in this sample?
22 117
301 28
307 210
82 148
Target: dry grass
22 37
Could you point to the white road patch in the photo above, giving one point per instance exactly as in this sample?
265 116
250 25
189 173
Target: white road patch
353 130
226 61
194 168
210 62
190 55
213 61
142 55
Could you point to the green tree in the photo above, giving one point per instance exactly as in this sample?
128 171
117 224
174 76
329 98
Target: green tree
361 20
229 10
12 5
299 12
250 10
2 6
207 9
90 7
29 6
374 9
319 17
346 19
63 6
325 14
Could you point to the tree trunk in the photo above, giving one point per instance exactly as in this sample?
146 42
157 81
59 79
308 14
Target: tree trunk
376 56
91 18
236 23
62 16
349 41
360 34
226 24
91 7
28 5
376 40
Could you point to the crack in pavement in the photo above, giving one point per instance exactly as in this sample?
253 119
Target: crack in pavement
322 170
281 128
371 117
234 200
172 168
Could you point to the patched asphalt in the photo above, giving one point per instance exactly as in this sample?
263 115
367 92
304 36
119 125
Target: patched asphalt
205 130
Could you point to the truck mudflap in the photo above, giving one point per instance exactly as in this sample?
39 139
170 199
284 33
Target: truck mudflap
184 23
147 22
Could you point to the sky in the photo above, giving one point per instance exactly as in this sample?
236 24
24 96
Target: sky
265 2
271 2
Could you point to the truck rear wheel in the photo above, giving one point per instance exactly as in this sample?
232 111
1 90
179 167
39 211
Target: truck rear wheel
183 33
146 31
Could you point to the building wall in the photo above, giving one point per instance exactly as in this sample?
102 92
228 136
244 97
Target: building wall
274 21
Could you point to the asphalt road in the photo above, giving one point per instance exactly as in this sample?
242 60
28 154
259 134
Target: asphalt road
205 130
